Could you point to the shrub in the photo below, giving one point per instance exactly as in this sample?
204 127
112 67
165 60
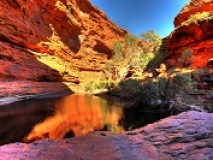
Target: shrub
127 92
101 84
152 37
117 50
186 57
89 86
158 58
134 54
162 91
198 16
130 40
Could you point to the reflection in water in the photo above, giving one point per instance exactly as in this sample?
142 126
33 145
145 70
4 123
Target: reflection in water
134 118
17 119
67 117
78 115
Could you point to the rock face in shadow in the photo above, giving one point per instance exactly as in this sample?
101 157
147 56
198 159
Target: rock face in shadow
50 40
196 34
188 135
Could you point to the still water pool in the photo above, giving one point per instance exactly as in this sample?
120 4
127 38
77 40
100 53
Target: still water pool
64 117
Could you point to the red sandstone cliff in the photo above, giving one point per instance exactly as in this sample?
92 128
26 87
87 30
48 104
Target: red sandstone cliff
194 34
53 40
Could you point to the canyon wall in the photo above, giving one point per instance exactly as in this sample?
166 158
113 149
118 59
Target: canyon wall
53 40
193 30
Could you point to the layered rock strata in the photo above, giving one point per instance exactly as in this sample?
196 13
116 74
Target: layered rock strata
53 40
193 30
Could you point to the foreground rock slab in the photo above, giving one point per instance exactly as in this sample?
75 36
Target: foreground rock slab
188 135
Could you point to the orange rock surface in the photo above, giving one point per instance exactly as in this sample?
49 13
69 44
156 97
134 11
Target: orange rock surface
52 40
197 36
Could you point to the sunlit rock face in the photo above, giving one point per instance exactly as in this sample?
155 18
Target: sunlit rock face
51 40
196 35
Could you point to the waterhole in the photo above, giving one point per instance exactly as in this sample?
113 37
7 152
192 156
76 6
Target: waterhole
64 117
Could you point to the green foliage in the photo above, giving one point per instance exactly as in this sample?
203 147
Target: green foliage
152 37
198 16
129 86
186 83
162 89
140 59
166 90
89 86
134 53
117 49
136 59
158 58
150 94
181 79
99 85
186 56
201 72
175 90
130 40
128 91
147 58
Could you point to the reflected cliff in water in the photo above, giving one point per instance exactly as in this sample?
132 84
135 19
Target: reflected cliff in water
78 115
65 117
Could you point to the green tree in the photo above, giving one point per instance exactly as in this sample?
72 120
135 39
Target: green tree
152 37
130 40
117 47
117 50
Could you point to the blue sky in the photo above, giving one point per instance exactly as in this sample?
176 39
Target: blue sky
138 16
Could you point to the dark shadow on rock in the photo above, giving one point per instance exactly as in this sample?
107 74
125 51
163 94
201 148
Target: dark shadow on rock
159 58
69 35
18 64
100 47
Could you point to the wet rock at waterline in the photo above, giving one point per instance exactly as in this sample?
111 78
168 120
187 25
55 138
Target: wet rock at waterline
21 90
188 135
